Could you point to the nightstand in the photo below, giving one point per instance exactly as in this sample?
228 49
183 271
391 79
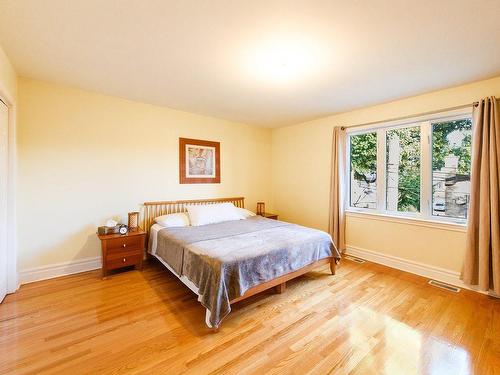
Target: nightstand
122 250
270 215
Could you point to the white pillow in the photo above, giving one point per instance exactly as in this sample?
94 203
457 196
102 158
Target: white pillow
245 214
173 220
212 213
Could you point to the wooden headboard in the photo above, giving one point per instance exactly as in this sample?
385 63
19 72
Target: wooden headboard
155 209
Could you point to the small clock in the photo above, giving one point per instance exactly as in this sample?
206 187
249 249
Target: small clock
123 229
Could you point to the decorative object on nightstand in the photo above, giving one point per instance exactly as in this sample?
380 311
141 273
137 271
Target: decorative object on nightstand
261 210
111 227
133 221
122 250
270 215
108 230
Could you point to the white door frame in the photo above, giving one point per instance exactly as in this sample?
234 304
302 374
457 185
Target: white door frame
12 272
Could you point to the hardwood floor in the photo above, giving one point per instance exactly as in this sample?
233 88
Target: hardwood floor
367 319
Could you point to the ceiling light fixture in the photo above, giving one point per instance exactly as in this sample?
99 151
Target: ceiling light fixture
282 60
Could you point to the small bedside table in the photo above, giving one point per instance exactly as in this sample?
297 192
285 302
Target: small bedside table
270 215
122 250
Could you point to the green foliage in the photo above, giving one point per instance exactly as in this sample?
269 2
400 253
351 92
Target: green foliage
442 148
363 154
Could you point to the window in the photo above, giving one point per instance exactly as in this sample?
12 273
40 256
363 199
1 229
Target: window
419 168
363 153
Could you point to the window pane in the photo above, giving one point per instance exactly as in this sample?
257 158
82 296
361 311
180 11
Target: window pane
363 170
451 155
403 169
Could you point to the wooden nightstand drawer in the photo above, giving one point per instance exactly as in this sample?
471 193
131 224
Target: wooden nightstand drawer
123 261
125 243
121 254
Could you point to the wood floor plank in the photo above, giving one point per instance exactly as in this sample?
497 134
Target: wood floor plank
365 319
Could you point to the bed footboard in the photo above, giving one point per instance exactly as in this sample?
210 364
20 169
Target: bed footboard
283 279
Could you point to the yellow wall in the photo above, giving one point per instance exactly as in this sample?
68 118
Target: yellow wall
85 157
301 179
8 77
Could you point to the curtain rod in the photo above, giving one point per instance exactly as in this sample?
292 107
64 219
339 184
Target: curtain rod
475 104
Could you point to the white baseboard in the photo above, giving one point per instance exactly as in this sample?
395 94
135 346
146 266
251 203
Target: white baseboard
417 268
421 269
59 269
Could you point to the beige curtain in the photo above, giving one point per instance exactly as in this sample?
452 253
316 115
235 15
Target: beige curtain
337 189
482 256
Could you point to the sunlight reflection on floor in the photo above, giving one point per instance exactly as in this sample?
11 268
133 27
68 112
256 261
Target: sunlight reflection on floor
400 349
446 358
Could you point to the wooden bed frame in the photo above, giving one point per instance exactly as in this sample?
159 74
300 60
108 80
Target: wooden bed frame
151 210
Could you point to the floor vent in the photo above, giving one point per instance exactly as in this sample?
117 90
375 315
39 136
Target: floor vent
444 286
354 259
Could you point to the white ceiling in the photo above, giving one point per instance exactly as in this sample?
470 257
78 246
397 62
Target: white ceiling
269 63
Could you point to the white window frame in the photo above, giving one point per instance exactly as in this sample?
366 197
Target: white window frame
425 122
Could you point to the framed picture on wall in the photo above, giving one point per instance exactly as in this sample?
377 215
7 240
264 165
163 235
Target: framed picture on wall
199 161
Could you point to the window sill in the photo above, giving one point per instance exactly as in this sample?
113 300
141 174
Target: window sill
434 224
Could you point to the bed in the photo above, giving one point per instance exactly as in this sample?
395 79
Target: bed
226 262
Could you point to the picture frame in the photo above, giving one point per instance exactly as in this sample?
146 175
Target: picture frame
199 161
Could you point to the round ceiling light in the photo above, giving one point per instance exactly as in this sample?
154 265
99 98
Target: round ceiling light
281 60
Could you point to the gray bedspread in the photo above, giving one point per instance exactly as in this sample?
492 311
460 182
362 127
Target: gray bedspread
226 259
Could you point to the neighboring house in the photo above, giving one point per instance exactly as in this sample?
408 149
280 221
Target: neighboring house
363 193
451 191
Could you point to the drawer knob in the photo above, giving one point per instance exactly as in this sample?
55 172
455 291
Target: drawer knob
124 245
124 260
